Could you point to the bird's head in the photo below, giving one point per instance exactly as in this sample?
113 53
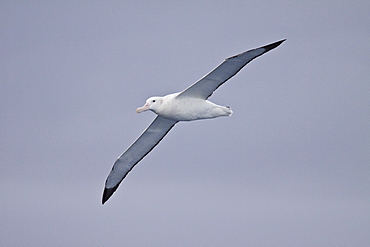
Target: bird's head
153 104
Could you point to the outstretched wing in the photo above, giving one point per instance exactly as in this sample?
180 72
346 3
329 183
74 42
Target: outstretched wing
204 88
141 147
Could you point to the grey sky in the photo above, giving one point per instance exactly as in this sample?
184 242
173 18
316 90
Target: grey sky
289 168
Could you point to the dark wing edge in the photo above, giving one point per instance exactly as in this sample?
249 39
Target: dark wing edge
108 192
218 83
266 47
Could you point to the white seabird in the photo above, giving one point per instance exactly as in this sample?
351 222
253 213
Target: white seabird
190 104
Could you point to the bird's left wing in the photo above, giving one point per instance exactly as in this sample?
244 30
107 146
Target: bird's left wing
204 88
141 147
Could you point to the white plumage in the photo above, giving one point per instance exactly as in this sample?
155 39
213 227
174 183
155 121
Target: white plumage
188 105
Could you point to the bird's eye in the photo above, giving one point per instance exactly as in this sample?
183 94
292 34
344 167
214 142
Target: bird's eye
153 100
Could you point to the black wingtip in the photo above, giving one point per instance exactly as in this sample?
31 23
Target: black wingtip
108 193
266 47
273 45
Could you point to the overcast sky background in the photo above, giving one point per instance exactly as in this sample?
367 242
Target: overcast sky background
289 168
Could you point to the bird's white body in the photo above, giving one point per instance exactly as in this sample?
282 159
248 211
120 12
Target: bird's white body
184 108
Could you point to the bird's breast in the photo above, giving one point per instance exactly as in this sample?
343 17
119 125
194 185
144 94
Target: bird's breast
192 109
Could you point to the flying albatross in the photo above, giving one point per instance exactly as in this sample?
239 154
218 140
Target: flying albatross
188 105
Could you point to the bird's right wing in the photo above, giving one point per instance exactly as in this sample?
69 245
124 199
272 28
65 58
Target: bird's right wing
141 147
204 88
